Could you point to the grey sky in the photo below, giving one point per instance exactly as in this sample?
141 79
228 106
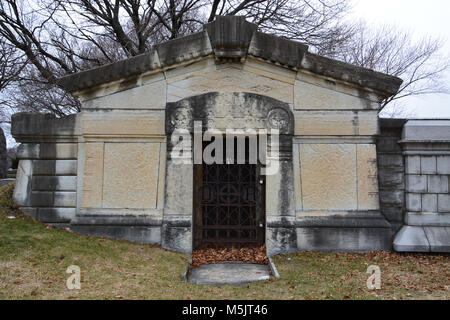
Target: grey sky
431 17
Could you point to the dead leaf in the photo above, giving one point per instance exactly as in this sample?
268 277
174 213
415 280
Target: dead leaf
211 256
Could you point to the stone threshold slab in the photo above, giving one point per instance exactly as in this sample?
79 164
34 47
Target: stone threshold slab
233 273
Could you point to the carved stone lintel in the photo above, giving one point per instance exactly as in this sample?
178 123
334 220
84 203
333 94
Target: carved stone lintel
230 110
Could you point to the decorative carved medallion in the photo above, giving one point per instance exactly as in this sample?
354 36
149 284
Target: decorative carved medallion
181 118
278 118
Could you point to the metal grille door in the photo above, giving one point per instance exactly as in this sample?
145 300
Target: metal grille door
229 205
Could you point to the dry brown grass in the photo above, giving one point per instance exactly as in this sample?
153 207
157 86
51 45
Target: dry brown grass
34 259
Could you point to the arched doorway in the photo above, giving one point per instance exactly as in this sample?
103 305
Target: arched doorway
225 203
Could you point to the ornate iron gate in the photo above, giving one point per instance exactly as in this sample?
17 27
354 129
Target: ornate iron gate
228 205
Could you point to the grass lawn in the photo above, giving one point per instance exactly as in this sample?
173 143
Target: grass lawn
34 259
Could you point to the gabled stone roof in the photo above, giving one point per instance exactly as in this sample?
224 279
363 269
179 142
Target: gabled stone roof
232 38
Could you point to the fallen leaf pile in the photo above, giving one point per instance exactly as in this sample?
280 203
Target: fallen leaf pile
210 256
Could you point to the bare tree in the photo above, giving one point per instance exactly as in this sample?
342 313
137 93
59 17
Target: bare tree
53 38
11 64
58 37
387 49
27 30
397 109
137 25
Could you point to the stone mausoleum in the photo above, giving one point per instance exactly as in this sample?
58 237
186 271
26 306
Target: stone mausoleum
342 182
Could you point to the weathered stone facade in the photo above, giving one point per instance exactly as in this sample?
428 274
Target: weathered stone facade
109 170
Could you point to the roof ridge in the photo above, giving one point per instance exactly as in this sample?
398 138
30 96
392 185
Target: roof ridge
231 38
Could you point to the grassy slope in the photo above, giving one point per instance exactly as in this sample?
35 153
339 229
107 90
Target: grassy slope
33 261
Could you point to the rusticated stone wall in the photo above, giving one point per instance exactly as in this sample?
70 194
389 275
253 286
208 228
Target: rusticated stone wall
391 171
426 149
46 180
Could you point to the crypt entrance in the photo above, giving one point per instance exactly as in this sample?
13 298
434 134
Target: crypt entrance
229 200
248 202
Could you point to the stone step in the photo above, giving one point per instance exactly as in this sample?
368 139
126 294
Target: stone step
234 273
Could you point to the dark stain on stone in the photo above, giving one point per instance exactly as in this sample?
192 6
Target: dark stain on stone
128 83
330 83
284 194
172 236
285 238
365 96
355 123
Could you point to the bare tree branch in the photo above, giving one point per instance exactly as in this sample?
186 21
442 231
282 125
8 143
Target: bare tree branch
390 50
46 39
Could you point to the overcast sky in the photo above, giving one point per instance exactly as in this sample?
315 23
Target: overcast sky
431 17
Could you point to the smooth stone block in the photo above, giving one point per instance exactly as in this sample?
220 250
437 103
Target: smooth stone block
54 183
55 167
444 202
344 239
329 177
55 215
427 219
438 184
443 164
412 164
229 273
414 202
429 202
427 130
411 239
439 238
22 189
428 165
130 175
416 183
142 234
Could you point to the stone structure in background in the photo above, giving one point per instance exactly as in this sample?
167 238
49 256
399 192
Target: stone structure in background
426 149
46 179
3 156
109 170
